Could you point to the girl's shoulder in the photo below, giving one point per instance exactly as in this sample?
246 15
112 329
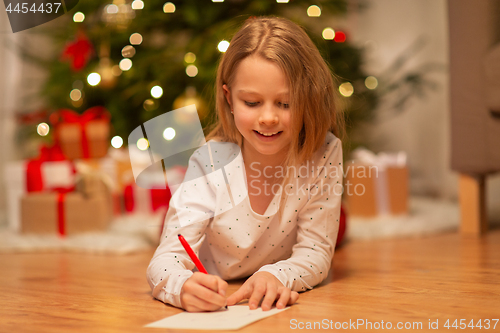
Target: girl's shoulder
331 144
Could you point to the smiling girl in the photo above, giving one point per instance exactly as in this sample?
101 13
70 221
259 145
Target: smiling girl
275 101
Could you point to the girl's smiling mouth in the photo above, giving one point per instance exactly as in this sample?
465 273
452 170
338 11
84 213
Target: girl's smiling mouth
266 136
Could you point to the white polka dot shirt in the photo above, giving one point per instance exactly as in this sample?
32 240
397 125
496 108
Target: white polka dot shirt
232 241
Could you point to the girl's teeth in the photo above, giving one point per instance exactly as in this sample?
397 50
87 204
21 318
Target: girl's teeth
270 134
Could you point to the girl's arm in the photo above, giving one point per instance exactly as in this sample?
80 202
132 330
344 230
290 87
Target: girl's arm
189 214
317 228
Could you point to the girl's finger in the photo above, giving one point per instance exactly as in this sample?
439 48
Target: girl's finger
271 293
259 290
238 296
294 297
222 287
207 295
284 298
209 281
202 305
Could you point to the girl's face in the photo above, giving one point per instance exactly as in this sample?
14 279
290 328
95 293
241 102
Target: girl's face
259 98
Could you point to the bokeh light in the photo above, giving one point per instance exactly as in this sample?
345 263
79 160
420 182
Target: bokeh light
192 70
117 142
190 57
93 79
135 39
125 64
75 94
142 144
128 51
43 129
223 45
340 37
328 34
168 7
78 17
137 4
371 82
168 133
346 89
314 11
156 91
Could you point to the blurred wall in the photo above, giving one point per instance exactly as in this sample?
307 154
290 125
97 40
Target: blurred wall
387 28
20 83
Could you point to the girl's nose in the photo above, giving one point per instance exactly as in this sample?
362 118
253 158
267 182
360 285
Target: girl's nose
268 116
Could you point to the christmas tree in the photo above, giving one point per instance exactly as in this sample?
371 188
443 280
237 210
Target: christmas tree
142 59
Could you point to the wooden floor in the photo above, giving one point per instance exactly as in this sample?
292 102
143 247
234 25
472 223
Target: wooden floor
409 281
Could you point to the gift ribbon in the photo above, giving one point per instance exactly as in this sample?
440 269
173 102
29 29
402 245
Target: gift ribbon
61 220
158 198
34 176
66 116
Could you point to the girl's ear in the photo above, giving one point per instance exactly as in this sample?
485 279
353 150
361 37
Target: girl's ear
227 93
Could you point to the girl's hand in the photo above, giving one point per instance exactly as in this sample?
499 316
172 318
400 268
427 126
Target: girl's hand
203 292
264 284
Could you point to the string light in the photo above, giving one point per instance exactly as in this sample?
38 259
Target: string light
43 129
169 133
328 34
75 94
128 51
192 70
168 7
78 17
371 82
137 4
190 57
314 11
93 79
142 144
117 142
125 64
156 92
223 45
135 39
340 37
346 89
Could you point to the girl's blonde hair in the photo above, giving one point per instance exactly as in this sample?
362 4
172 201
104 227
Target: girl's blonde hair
310 81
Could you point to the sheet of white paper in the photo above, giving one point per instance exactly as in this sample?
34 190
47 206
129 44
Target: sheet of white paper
235 317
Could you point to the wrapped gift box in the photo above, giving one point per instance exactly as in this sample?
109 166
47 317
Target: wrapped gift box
82 136
118 171
65 214
47 172
89 208
376 184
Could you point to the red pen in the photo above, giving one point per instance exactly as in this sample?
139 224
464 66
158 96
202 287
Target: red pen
192 255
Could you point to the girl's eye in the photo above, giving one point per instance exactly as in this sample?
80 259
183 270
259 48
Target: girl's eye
251 103
284 105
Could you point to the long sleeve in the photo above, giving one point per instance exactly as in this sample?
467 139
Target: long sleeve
190 211
317 227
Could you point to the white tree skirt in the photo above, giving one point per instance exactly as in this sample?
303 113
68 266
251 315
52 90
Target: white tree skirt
126 234
425 216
